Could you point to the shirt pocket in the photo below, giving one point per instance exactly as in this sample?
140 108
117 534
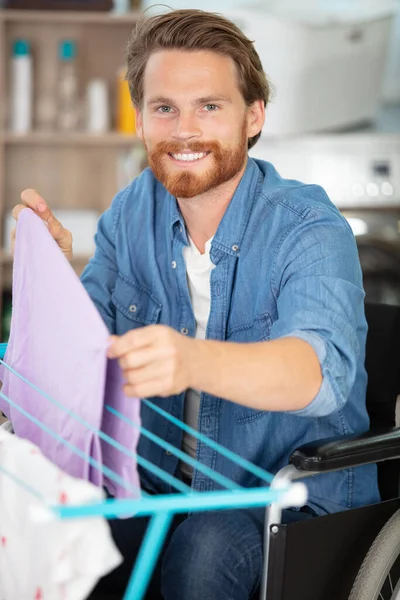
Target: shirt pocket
257 330
136 305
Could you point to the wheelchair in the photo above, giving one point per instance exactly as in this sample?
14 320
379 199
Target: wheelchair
354 554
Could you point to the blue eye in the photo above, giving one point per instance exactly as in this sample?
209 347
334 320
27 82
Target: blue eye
211 107
164 109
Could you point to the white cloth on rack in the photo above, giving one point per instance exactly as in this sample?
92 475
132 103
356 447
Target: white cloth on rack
43 557
7 426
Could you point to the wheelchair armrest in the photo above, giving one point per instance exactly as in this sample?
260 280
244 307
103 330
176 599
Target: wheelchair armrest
343 452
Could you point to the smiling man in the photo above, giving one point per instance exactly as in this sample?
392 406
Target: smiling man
234 298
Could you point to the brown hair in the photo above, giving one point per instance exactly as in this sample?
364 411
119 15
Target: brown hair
196 30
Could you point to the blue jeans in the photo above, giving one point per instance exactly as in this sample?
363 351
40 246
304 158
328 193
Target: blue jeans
208 556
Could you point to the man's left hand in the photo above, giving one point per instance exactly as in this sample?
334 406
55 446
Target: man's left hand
156 360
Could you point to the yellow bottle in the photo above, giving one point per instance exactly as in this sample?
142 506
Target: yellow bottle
126 118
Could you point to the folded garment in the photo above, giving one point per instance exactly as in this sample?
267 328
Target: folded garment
43 557
58 342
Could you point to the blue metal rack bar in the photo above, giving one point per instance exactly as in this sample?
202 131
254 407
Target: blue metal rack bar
175 503
221 479
242 462
149 552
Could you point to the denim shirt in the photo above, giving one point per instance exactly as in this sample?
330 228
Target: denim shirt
286 264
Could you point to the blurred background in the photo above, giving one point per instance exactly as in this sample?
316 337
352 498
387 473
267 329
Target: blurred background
67 127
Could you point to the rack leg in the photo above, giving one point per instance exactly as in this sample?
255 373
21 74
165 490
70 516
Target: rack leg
148 555
273 515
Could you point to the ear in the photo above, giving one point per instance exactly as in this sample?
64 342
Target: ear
139 124
255 118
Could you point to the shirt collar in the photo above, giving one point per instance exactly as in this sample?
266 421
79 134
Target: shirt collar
176 219
232 227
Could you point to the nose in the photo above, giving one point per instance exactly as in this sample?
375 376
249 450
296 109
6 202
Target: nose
186 127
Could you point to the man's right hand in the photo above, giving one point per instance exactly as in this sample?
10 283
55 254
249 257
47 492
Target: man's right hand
31 199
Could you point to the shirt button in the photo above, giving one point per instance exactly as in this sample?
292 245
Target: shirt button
133 308
184 331
168 453
173 264
235 248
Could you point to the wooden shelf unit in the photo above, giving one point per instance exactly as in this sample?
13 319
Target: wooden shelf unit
70 170
63 17
37 138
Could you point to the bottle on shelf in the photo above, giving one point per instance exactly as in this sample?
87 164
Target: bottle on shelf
21 88
97 108
68 102
121 7
46 111
126 118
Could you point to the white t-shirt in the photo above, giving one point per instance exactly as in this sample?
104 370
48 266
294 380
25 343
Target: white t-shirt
198 270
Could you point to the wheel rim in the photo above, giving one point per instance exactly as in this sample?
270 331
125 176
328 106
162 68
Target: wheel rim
391 586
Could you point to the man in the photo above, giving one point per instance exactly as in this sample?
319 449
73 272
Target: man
234 298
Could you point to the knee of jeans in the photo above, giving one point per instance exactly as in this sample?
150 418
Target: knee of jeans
210 547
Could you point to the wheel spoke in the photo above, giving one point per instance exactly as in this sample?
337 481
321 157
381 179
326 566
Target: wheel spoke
390 581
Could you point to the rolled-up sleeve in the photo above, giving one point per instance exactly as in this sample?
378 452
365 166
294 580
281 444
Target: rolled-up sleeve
320 299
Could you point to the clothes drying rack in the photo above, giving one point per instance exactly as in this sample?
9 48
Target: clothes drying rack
161 509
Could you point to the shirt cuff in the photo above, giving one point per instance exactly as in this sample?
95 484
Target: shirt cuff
325 402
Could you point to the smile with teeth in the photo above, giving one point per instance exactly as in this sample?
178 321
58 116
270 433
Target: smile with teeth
189 157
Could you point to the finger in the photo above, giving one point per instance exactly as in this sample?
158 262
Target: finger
137 359
155 379
32 199
133 340
146 374
144 336
13 236
145 382
55 227
16 211
62 236
146 390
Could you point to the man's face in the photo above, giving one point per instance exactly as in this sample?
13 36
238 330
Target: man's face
194 121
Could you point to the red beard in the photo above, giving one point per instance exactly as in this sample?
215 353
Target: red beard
227 162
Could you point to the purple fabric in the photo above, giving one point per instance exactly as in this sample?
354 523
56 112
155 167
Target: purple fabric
58 342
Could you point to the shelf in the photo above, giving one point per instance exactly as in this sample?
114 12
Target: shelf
37 138
6 258
62 17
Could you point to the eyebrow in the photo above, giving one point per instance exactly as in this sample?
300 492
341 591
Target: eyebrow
203 100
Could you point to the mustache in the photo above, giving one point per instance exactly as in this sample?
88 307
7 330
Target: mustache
177 147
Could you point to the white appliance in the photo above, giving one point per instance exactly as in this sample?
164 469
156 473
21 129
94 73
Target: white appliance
326 61
391 83
357 170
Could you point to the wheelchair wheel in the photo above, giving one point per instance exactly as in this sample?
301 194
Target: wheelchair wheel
379 574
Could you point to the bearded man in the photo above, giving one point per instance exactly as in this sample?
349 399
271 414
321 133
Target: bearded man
234 298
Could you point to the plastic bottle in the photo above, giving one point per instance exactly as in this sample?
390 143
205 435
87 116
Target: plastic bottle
126 118
121 7
68 104
97 108
21 87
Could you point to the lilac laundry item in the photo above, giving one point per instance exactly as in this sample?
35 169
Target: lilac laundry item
58 342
